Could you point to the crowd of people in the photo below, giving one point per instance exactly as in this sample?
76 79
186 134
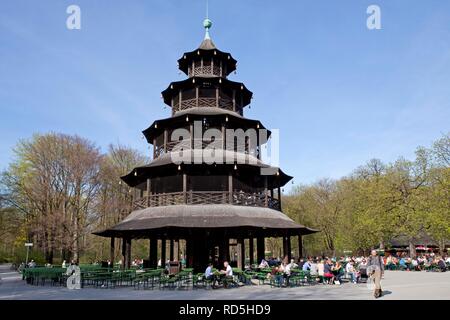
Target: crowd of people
332 270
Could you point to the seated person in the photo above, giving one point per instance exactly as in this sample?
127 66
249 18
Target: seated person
264 264
209 275
228 272
327 272
208 272
351 271
337 270
314 268
441 264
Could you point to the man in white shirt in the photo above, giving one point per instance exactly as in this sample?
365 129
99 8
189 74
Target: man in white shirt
228 270
351 271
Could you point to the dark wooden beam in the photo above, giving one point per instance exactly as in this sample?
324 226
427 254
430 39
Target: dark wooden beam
289 248
260 248
185 187
124 252
230 188
242 242
153 253
285 249
300 246
171 247
266 193
112 252
163 253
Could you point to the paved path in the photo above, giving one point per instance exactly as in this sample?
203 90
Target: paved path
396 285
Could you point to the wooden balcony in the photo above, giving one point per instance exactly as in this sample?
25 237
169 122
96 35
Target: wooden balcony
238 198
206 70
223 103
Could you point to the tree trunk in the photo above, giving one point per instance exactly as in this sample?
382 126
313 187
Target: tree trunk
412 249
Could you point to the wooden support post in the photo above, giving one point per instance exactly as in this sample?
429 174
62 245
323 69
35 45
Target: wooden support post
279 196
284 246
163 253
124 252
196 97
300 246
171 255
149 191
154 148
224 251
153 253
242 241
166 135
184 187
260 249
230 188
127 260
177 250
266 193
112 252
251 251
289 249
217 97
234 100
189 252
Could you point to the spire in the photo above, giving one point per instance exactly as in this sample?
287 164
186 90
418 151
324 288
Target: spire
207 43
207 24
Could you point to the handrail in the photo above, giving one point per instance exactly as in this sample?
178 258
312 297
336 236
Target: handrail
207 197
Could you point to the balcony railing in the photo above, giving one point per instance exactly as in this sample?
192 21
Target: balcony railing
207 197
207 70
223 103
186 145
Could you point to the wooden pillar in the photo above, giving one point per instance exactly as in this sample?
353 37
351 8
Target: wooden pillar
217 97
184 187
163 253
242 242
127 255
149 191
196 97
179 100
112 251
300 246
289 248
260 249
189 253
234 100
284 247
153 253
154 148
165 140
251 244
177 250
230 188
171 255
124 252
279 196
266 192
224 251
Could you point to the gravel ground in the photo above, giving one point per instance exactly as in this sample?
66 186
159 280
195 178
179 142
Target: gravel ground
396 285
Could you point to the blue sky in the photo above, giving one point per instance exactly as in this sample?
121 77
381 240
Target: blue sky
339 93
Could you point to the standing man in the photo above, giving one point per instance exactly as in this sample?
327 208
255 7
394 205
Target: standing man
375 269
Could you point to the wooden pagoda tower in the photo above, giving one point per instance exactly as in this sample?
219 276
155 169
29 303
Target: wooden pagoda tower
197 209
